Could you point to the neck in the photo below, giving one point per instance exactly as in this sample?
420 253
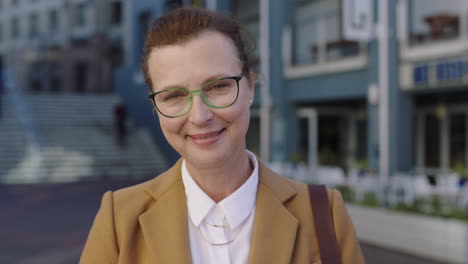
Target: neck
221 181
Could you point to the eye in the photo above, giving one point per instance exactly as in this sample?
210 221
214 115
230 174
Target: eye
218 86
174 95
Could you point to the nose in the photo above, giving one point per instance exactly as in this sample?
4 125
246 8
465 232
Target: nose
200 114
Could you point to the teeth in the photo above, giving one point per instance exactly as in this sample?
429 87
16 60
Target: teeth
205 138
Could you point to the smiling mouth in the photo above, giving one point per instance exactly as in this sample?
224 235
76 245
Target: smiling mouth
206 138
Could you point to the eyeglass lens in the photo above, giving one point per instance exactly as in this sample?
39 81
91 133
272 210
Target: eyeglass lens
218 94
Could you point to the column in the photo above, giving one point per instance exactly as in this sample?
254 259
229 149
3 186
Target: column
421 141
444 155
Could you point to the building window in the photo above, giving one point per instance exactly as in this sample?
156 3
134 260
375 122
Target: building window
35 83
54 77
53 21
116 15
247 11
317 33
80 15
253 135
144 20
81 76
173 4
15 30
434 20
432 141
1 32
458 142
33 26
116 55
331 143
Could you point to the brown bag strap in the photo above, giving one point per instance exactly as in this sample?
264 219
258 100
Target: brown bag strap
329 252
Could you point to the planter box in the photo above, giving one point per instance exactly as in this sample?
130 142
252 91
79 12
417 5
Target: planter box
438 239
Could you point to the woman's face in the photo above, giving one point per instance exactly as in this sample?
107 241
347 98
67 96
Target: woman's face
205 136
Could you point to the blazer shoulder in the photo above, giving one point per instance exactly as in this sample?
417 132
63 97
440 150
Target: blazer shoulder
303 190
133 192
151 189
136 199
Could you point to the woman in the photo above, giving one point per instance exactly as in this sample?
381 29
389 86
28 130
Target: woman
218 203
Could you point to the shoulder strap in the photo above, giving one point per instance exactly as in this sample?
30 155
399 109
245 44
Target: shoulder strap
329 252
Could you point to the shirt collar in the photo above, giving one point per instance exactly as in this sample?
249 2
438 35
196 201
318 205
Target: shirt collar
236 207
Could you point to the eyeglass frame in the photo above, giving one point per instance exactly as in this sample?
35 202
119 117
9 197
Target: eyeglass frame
199 93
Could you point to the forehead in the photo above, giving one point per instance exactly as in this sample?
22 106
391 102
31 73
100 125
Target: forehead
208 54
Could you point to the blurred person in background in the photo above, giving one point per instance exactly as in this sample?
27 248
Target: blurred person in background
120 121
219 203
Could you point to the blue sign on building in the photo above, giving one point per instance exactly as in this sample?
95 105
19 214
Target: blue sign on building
421 74
445 71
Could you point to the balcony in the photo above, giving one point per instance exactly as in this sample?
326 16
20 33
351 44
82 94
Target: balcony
436 31
315 45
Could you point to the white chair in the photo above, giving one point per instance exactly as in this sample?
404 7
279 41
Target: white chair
422 189
447 186
463 197
400 189
362 183
331 176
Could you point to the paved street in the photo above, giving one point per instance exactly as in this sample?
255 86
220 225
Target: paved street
49 224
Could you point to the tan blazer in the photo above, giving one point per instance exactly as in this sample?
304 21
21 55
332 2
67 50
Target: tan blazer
147 223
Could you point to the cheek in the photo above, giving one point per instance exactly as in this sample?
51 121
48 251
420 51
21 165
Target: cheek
239 116
169 126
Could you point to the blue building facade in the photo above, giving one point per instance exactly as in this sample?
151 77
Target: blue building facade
326 90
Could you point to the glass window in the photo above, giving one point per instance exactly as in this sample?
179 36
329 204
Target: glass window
116 15
172 4
434 20
361 151
53 21
303 140
81 76
144 20
457 142
116 54
306 33
80 15
317 33
253 135
54 77
330 143
33 26
432 141
248 14
35 82
15 29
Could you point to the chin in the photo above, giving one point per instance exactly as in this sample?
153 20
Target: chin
207 158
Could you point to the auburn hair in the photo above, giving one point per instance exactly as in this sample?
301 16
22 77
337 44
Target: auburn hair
184 24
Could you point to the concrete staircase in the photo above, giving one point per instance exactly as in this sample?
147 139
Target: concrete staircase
77 142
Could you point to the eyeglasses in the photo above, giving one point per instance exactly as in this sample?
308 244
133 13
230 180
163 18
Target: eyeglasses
219 93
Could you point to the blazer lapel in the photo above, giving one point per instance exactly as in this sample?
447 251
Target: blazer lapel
275 228
164 225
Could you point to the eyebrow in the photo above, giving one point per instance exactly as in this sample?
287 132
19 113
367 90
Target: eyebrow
206 80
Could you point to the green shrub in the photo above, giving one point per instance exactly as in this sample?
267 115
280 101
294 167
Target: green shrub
347 193
370 200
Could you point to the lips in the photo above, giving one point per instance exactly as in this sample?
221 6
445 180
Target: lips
206 138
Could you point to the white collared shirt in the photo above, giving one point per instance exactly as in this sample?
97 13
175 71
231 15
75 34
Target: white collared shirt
228 224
